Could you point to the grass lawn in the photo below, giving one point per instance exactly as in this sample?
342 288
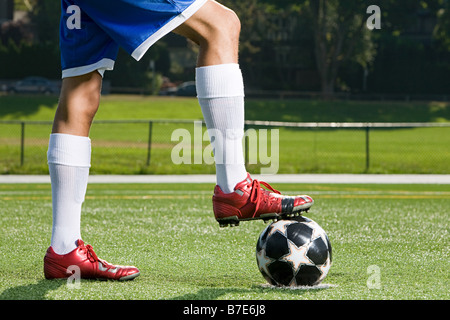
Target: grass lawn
114 107
123 147
168 231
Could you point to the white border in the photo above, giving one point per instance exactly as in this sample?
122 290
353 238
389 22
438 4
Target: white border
101 66
139 52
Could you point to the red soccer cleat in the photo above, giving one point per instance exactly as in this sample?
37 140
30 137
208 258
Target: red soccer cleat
90 266
250 201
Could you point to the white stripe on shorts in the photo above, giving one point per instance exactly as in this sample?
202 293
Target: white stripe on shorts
139 52
100 66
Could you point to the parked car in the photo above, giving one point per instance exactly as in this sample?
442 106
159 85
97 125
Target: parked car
33 85
168 91
187 89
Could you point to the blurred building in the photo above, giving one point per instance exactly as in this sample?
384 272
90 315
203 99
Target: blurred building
6 10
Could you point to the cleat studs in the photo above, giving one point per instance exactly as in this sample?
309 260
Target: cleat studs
223 223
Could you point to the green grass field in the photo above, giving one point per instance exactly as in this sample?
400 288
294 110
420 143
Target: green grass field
122 148
168 231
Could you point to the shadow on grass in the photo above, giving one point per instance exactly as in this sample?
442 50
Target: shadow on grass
261 290
35 291
23 106
298 110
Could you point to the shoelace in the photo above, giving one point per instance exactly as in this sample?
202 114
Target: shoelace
258 193
92 256
90 252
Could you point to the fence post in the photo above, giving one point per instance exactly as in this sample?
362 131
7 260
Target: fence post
246 141
149 146
367 148
22 143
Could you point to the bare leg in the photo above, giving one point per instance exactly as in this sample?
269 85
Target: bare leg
215 29
220 87
79 101
69 155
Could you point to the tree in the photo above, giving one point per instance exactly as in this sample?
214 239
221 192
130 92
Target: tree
339 32
340 35
45 16
412 55
442 30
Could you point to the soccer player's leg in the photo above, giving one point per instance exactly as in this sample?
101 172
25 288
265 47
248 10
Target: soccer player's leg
78 103
220 90
220 87
69 155
69 151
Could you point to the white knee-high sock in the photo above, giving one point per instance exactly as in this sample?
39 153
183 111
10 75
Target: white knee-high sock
69 160
220 91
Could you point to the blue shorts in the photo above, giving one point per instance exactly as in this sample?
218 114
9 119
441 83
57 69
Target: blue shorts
91 31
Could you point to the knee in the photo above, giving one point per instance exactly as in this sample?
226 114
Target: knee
232 25
228 26
222 28
216 30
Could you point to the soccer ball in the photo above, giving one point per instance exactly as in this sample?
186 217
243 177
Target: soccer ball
293 253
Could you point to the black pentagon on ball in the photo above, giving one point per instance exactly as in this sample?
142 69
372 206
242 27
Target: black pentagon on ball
329 248
276 246
318 251
307 275
262 237
268 278
299 233
281 272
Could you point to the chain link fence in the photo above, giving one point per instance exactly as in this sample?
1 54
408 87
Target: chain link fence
182 146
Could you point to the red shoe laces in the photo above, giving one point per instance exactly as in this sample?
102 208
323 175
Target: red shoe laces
92 256
257 194
90 252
